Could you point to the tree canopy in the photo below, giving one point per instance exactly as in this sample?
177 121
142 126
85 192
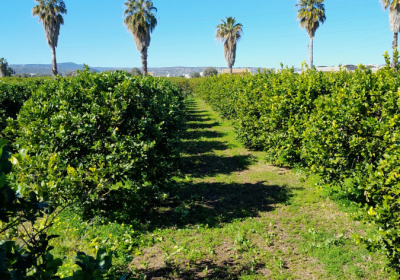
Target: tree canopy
195 75
229 32
136 72
140 21
311 13
210 71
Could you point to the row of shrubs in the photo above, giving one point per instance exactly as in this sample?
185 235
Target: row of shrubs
343 126
104 144
188 86
15 91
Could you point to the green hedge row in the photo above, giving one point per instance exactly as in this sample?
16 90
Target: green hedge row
107 143
13 93
342 126
188 86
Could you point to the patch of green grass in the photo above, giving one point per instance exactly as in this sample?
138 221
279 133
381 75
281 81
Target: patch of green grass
88 236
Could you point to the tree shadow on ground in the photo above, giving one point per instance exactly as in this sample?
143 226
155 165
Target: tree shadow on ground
198 118
227 269
201 147
214 204
198 161
206 165
203 125
198 134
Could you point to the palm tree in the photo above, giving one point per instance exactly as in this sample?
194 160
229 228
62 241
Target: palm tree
50 13
311 14
140 20
394 19
229 32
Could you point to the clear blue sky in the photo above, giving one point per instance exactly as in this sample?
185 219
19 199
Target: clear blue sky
356 31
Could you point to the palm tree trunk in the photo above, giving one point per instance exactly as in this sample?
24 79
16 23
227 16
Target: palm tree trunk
144 61
311 52
394 49
54 70
230 70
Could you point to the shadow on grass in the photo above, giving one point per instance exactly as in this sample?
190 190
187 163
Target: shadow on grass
198 118
199 162
203 270
198 134
206 165
201 147
214 204
203 125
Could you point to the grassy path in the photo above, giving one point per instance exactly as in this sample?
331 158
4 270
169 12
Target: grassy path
238 218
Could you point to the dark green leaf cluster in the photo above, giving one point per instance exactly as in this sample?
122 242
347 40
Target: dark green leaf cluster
109 142
342 126
13 93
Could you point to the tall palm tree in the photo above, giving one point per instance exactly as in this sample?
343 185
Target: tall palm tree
394 19
311 13
140 20
50 12
229 32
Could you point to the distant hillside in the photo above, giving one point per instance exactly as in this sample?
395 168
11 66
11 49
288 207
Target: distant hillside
45 68
70 66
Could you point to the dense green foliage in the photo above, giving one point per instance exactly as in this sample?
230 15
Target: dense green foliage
107 143
195 75
187 86
342 126
210 71
32 260
13 93
136 72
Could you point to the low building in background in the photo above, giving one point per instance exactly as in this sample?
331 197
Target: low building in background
329 69
151 73
239 71
348 67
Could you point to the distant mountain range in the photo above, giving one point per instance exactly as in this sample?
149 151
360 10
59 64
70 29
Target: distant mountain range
64 68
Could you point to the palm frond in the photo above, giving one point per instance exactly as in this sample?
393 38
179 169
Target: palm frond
229 32
311 14
140 21
50 13
391 4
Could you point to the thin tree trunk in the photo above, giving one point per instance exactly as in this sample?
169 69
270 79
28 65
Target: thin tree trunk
311 52
394 50
144 62
54 70
230 70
